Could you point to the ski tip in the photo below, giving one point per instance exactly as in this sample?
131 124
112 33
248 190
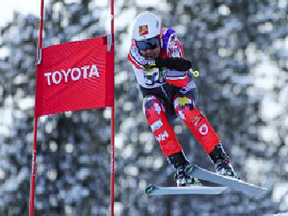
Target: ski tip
149 189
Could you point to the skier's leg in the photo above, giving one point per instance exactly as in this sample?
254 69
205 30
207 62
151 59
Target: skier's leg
202 130
155 113
154 110
200 127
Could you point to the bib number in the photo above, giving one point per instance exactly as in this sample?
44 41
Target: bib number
153 76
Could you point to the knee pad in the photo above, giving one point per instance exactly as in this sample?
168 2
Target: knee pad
154 110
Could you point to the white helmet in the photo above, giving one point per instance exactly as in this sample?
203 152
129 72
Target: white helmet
146 25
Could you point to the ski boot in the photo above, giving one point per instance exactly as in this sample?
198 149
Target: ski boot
222 162
179 162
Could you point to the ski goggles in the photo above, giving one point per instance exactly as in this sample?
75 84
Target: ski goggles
150 43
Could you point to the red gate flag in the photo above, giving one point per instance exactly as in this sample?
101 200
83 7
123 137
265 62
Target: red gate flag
75 76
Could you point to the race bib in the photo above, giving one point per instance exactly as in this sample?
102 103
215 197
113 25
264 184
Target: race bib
153 76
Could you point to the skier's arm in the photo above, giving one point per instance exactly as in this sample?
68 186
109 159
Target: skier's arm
175 67
176 59
175 70
179 64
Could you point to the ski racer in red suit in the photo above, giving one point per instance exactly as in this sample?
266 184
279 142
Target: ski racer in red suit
157 58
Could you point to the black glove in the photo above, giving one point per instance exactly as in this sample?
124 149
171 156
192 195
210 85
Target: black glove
178 64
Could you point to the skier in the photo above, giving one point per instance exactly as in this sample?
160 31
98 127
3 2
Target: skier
168 89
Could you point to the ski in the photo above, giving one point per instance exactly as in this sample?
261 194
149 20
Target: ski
157 190
239 185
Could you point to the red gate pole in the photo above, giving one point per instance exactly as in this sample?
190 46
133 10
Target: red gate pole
32 181
112 116
112 159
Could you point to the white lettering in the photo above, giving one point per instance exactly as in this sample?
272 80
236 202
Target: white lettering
54 77
203 129
85 68
162 136
75 78
48 78
156 125
94 71
74 74
66 74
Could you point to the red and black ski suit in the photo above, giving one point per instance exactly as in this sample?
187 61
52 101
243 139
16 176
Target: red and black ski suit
169 94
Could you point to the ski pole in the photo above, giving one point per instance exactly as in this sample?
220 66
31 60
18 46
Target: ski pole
195 73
